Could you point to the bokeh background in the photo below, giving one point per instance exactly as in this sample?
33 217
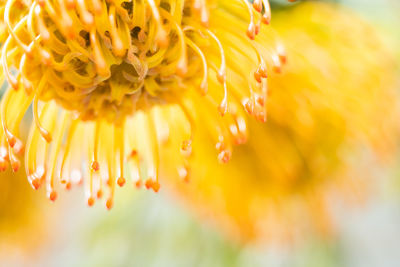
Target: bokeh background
146 229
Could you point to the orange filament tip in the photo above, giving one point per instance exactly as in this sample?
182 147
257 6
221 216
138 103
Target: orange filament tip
151 184
262 70
11 140
70 4
162 39
95 166
97 7
121 181
224 156
266 19
220 146
221 76
186 179
109 203
46 58
261 116
223 108
41 2
257 4
251 31
3 164
181 68
18 147
99 193
283 58
277 69
90 201
186 145
257 76
204 88
138 184
257 29
183 174
15 165
35 183
249 106
46 135
53 196
133 153
261 100
68 186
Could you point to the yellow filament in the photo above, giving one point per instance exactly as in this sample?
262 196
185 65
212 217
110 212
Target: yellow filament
45 133
55 149
203 85
71 132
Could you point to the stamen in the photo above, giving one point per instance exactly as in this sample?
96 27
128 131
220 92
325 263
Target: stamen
99 60
11 139
71 132
95 166
251 29
97 7
15 163
221 75
44 133
31 153
120 130
161 35
112 150
89 170
181 67
44 33
26 84
19 25
118 46
187 144
266 18
3 155
85 15
153 182
54 152
4 54
258 5
204 83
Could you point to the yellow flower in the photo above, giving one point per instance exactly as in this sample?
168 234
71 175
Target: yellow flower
102 76
332 117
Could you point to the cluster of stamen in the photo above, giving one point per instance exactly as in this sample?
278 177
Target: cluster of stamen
96 70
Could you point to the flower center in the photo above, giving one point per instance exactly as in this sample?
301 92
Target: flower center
107 59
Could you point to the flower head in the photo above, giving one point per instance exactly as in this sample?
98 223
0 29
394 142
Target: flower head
101 76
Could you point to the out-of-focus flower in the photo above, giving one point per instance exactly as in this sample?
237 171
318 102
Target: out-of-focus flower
102 75
331 112
21 217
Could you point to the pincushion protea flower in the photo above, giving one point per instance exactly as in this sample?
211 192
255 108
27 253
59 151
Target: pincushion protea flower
332 122
102 75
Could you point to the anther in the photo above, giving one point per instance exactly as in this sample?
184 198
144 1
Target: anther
138 183
52 195
95 166
224 156
121 181
90 201
109 203
3 164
